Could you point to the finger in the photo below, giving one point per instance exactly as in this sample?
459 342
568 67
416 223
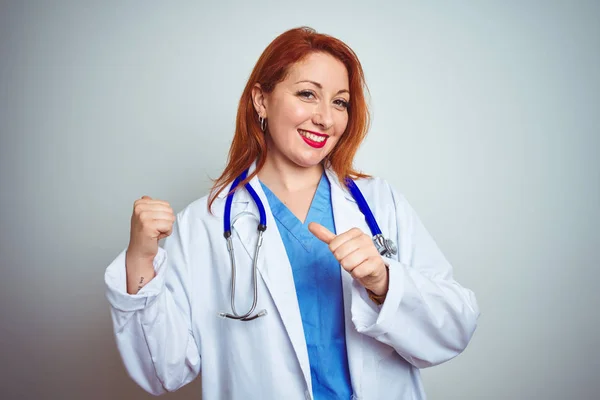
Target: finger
354 259
163 216
143 203
364 269
322 233
150 200
165 234
163 227
344 237
346 248
152 207
156 216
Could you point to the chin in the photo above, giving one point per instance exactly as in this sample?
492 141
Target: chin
308 162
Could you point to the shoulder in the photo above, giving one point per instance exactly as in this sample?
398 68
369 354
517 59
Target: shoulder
386 200
195 211
378 189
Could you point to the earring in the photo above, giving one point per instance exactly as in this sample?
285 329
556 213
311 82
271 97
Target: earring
263 123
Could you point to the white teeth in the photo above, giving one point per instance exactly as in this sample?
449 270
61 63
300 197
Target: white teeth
312 136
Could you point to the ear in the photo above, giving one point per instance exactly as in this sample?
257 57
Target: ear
259 100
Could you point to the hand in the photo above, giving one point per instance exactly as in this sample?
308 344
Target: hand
358 255
151 221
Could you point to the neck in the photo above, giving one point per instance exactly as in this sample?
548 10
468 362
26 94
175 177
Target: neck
281 175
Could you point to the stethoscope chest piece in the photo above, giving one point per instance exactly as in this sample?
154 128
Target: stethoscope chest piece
386 247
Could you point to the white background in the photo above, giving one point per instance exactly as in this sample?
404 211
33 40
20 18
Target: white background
486 117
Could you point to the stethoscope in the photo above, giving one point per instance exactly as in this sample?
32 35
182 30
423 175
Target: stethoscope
386 247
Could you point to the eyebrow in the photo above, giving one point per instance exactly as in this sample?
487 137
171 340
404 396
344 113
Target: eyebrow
317 84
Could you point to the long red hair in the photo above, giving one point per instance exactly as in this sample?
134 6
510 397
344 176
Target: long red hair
249 142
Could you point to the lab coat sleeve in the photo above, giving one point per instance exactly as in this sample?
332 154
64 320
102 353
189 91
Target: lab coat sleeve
153 328
427 317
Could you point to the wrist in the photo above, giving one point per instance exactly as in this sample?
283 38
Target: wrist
139 271
377 299
379 293
134 256
382 288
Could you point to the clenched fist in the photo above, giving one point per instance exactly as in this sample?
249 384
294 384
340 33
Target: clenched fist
151 221
358 255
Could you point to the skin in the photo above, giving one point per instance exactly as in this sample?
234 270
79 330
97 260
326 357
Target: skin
299 103
151 221
312 97
358 255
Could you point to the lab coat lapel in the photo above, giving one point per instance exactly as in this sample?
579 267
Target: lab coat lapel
246 228
276 272
274 268
347 215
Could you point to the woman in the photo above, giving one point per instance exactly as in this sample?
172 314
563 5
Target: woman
313 329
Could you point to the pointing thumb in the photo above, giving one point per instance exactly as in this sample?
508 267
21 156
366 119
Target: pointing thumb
322 233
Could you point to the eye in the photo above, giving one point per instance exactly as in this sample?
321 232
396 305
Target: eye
341 103
306 94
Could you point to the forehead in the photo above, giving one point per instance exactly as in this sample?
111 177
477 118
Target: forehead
323 68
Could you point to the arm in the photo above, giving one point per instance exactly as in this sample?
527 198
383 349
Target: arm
153 327
427 317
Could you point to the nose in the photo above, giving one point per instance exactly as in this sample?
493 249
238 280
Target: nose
323 116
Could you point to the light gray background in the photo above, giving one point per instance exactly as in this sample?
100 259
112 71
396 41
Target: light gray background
486 116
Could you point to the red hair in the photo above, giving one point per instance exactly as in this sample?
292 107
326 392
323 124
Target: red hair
249 142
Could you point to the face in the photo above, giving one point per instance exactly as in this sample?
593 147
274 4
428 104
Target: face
306 113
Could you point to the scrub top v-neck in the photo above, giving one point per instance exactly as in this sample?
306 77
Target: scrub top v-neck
318 282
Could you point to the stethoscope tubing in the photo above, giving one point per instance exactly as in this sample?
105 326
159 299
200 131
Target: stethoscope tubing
262 227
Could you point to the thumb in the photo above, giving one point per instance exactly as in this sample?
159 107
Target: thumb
322 233
146 198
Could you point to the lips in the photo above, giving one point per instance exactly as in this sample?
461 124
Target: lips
313 139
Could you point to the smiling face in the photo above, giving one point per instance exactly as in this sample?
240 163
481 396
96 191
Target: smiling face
307 112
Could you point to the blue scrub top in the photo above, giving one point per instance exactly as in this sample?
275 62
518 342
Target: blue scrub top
318 282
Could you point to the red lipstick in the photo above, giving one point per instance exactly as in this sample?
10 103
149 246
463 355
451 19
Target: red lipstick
312 143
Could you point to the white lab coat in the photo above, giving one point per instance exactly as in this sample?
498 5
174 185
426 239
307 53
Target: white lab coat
170 331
